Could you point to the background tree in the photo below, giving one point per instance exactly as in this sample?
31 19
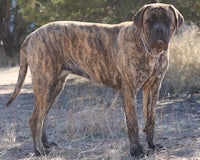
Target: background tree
105 11
12 26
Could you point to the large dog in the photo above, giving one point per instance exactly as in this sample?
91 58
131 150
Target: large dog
126 56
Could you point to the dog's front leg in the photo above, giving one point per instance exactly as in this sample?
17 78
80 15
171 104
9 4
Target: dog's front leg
150 98
129 100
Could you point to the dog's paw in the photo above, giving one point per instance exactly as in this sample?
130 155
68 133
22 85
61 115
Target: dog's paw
157 147
49 144
154 148
137 151
42 152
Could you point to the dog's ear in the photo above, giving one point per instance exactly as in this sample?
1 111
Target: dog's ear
179 19
138 17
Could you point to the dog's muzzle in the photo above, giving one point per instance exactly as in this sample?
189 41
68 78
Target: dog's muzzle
159 38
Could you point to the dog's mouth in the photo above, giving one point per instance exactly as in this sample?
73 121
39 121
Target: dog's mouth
155 48
159 46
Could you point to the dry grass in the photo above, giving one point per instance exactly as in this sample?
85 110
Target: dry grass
88 123
184 73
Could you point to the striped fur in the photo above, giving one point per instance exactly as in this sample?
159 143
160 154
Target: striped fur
126 56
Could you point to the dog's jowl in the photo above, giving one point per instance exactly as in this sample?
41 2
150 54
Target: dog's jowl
128 56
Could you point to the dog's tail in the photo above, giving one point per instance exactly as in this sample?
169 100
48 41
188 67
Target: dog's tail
22 72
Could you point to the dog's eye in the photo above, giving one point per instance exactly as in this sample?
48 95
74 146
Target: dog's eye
167 20
150 20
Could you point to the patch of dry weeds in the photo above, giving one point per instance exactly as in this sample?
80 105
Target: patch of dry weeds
87 122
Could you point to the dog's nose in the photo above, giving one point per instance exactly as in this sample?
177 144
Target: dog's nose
159 29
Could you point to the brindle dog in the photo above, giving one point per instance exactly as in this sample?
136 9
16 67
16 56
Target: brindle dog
126 56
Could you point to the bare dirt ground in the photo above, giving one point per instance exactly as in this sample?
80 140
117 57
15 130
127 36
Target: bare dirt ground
87 122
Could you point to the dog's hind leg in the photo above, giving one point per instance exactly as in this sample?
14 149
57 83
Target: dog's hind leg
54 94
46 89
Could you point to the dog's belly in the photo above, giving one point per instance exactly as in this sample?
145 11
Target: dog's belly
96 69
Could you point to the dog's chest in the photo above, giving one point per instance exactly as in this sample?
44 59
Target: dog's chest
148 68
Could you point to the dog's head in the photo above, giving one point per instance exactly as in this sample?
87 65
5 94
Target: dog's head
157 22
